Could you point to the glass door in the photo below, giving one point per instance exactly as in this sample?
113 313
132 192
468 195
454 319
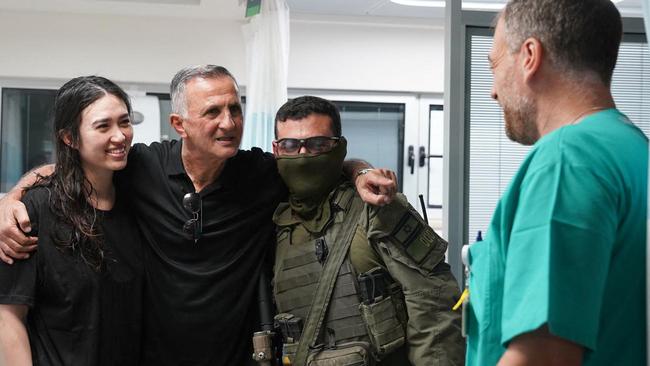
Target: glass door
429 160
375 133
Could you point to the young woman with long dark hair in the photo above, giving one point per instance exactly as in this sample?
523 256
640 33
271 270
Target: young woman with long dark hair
77 299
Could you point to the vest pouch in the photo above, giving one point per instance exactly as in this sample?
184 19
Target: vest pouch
385 326
288 353
344 354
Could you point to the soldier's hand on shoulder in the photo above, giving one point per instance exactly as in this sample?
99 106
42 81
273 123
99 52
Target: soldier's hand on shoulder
377 186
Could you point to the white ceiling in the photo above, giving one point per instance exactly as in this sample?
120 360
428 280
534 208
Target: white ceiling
234 9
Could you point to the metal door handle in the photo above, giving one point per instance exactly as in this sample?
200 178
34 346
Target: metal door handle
411 159
422 156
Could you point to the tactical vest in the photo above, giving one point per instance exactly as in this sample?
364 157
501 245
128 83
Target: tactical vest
298 273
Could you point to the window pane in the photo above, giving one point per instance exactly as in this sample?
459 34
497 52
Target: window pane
435 185
166 131
436 130
436 144
26 136
493 158
631 83
375 133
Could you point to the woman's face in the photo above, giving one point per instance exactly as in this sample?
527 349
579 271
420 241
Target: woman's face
105 135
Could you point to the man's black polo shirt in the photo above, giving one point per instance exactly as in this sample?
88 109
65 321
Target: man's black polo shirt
201 298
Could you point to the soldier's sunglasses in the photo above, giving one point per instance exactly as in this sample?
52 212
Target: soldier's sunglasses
313 145
194 226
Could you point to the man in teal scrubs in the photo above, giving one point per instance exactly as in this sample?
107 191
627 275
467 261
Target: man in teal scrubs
560 278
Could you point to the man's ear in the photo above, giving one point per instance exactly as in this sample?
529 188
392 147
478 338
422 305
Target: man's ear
176 121
67 139
275 149
531 55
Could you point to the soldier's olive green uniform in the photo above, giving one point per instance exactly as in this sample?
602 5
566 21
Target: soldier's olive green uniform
393 237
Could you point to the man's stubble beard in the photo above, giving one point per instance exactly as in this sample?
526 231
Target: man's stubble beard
520 114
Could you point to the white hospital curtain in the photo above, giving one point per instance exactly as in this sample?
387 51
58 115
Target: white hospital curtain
267 61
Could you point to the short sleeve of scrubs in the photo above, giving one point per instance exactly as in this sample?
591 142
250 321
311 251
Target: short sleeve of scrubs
559 251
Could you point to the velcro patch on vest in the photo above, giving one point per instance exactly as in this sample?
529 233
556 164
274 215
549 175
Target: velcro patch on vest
412 235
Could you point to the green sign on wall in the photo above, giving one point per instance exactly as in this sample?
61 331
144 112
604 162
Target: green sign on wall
252 7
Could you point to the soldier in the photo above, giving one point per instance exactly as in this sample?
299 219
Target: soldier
354 283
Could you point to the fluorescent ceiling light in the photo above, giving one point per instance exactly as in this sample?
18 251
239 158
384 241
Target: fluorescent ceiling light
466 5
483 6
428 4
441 4
173 2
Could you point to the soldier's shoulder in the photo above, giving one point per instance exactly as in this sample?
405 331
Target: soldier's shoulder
383 220
400 229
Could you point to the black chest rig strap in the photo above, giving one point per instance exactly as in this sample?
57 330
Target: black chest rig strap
336 256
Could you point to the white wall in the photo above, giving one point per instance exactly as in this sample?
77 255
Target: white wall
326 53
362 56
150 50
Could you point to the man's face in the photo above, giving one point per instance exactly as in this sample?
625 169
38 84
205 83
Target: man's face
213 123
520 112
310 126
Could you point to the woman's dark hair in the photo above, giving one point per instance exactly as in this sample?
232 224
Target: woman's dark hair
69 188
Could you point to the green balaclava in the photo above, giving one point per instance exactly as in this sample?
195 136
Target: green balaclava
310 178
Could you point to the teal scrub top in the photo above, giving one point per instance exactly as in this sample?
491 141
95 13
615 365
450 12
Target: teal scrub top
566 247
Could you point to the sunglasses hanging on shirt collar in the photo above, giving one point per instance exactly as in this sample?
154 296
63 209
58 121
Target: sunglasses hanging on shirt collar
194 226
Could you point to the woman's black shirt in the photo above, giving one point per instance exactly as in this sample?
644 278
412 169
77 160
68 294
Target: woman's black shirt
79 316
